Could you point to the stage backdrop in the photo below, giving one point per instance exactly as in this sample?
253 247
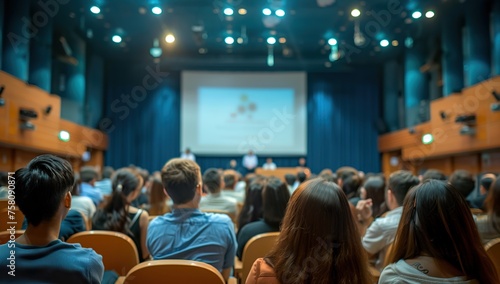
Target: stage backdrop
142 119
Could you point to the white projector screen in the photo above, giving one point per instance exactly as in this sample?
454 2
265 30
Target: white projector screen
229 113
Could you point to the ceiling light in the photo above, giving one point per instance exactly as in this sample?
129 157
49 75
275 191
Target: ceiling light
384 43
332 41
266 11
116 39
280 13
395 43
64 136
282 40
229 40
417 15
271 40
242 11
355 13
95 10
429 14
240 40
228 12
156 10
427 139
170 38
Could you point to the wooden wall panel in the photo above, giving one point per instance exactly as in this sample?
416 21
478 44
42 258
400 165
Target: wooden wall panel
471 163
396 140
443 164
6 159
22 158
490 162
387 167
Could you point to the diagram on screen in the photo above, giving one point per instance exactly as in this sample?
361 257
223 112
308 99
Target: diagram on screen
246 108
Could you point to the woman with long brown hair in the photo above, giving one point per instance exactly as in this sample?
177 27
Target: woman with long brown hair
489 224
318 243
437 240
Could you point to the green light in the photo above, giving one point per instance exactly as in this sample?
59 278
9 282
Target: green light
64 136
427 139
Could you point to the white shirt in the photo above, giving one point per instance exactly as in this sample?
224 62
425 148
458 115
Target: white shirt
250 162
83 204
269 166
217 201
189 156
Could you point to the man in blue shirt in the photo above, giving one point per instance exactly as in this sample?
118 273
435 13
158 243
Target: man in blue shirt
42 192
89 176
188 233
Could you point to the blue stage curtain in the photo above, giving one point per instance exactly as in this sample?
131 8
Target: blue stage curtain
342 111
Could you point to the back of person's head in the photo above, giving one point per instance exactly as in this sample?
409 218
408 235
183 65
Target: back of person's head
345 171
107 172
374 188
88 174
301 177
181 177
486 181
290 179
436 222
212 180
157 198
230 179
41 187
325 172
400 182
126 185
275 196
463 181
327 235
328 177
4 179
433 174
351 185
252 207
492 201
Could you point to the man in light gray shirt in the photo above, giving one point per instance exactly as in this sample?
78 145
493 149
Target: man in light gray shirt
213 183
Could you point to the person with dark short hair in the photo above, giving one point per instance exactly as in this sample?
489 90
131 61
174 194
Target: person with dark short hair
88 176
290 181
484 187
433 174
230 179
42 191
188 233
463 181
380 232
212 183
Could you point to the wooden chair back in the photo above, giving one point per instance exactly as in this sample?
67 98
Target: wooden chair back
257 247
10 218
118 251
493 250
6 236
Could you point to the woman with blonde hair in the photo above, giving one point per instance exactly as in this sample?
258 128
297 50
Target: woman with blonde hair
437 240
318 243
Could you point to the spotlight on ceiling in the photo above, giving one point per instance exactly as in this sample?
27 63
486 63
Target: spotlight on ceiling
280 13
384 43
242 11
228 12
427 139
496 95
170 38
332 41
116 39
47 109
156 10
355 13
429 14
271 40
395 43
64 136
443 115
282 40
266 11
156 51
417 15
467 130
2 100
229 40
95 10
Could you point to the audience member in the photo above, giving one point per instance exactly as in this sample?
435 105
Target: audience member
71 224
105 183
275 196
436 241
188 155
43 195
484 186
290 181
489 225
350 186
142 200
433 174
88 176
318 246
343 173
158 199
302 162
463 181
252 207
83 204
230 181
188 233
213 183
301 177
233 165
241 184
374 190
250 162
118 215
269 165
381 232
4 185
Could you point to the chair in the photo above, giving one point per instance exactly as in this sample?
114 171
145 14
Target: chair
15 218
172 271
256 247
118 250
493 250
476 211
5 236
